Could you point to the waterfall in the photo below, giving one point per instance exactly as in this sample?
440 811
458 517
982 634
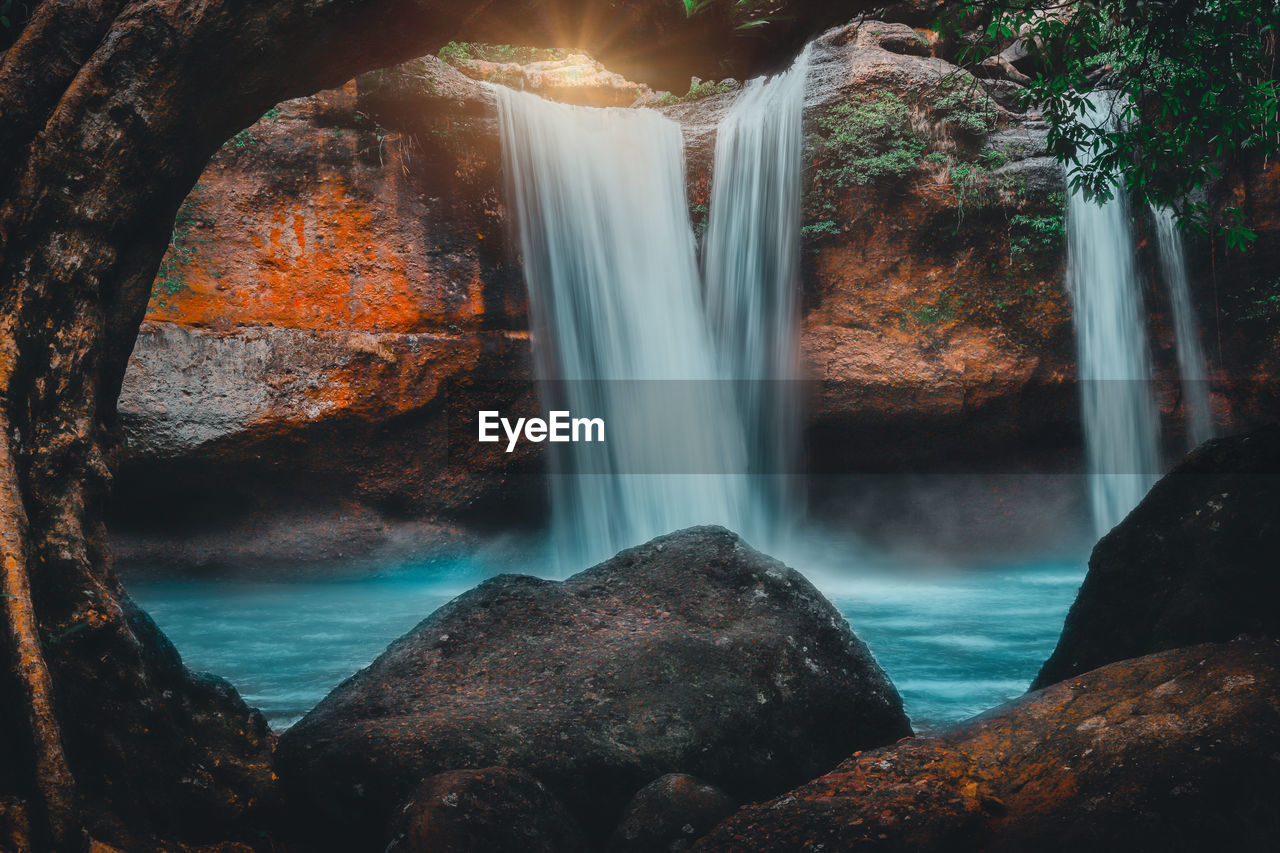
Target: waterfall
610 259
696 387
1120 421
1186 331
751 259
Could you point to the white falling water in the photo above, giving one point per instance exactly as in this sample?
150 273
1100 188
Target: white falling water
1186 331
610 261
751 261
1120 421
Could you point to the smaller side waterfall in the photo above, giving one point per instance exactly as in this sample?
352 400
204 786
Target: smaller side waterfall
1191 364
751 259
1120 422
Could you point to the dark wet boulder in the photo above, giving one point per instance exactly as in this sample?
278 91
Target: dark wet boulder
1197 561
482 811
690 654
1174 751
669 814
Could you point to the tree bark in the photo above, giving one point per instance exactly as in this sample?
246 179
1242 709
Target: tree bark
109 110
53 782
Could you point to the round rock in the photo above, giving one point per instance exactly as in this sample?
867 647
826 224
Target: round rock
690 654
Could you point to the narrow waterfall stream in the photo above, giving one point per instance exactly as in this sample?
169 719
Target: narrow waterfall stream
751 258
1120 421
1186 330
698 399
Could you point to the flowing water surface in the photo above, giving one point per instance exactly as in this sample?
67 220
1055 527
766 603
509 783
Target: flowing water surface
954 643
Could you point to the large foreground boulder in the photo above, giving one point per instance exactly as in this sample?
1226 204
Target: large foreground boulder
690 654
1197 561
1174 751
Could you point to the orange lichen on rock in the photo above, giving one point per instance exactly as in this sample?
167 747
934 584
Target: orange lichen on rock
304 226
1167 751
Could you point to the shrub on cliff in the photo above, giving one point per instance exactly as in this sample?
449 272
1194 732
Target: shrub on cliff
867 137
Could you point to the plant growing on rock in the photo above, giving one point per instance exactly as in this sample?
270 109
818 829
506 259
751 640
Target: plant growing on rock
697 89
182 251
1030 234
866 138
962 105
1258 303
1198 76
458 53
977 183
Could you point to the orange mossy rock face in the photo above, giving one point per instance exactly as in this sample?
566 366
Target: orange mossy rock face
1173 751
335 296
319 218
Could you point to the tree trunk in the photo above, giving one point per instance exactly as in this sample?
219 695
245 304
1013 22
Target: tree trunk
109 110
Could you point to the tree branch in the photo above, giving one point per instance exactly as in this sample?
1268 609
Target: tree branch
53 780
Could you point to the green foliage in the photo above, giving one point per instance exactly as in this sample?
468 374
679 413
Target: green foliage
246 137
693 7
1259 302
460 52
964 106
701 215
822 228
976 183
1197 76
864 139
944 311
746 14
183 246
969 182
1235 232
697 89
1031 234
6 7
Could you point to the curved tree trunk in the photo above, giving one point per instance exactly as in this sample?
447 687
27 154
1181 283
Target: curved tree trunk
109 110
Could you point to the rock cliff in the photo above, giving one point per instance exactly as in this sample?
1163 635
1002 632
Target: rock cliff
342 279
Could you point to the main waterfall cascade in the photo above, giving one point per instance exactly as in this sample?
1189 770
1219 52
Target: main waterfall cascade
1121 425
611 265
751 257
620 324
1191 364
